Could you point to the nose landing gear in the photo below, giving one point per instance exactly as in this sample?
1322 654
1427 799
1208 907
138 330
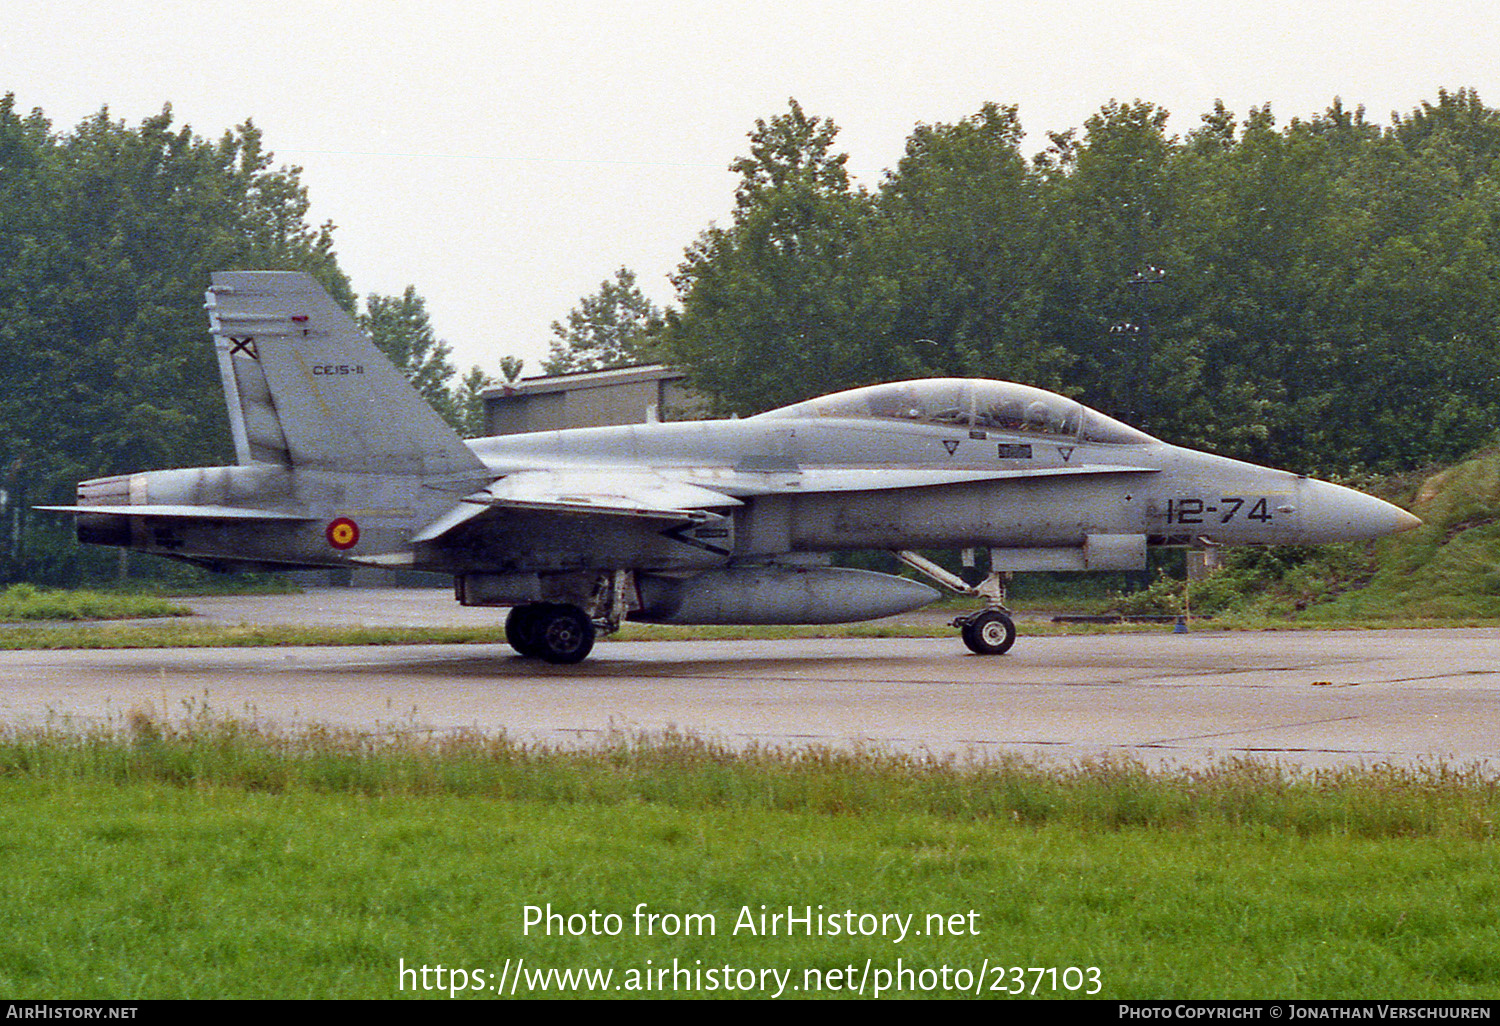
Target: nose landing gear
990 631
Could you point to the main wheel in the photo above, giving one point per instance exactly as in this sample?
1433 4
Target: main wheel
564 634
521 630
990 633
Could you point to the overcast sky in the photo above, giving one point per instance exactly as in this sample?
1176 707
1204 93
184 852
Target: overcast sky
506 157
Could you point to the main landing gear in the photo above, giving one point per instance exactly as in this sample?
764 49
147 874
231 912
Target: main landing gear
594 603
990 631
551 631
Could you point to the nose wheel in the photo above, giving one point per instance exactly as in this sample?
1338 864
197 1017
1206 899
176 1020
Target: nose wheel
988 632
556 633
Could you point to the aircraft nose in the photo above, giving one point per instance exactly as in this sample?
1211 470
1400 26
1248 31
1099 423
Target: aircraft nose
1333 513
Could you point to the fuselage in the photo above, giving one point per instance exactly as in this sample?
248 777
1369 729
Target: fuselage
342 463
1171 494
829 475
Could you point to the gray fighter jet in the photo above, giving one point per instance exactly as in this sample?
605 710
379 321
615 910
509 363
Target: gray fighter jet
341 463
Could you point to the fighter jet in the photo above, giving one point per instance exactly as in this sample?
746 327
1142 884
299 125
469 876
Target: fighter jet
341 463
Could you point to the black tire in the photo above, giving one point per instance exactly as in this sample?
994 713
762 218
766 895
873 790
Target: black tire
990 633
564 634
521 629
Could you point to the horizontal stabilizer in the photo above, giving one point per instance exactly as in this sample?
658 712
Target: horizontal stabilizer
190 512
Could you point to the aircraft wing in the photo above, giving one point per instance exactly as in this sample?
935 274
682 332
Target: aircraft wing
682 496
641 494
810 480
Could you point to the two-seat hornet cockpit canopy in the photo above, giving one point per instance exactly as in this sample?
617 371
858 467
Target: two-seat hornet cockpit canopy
972 404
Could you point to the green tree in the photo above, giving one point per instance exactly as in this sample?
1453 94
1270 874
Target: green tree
29 237
402 329
615 327
957 221
1108 206
786 301
1319 295
511 368
1340 295
468 401
1471 128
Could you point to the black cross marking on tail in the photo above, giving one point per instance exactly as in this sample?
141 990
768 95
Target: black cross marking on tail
243 345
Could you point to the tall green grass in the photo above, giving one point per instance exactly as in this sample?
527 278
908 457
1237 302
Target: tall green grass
210 857
29 602
687 772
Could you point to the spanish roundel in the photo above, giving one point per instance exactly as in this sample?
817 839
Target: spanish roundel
342 533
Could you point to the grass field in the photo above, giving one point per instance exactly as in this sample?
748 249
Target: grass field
211 858
20 602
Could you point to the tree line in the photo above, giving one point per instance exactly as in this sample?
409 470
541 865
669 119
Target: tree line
1321 295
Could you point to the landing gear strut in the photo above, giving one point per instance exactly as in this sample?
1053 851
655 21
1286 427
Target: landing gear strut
990 631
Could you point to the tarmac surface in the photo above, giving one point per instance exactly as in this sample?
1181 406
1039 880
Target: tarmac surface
1309 698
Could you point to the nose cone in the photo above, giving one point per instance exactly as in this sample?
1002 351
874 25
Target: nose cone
1333 513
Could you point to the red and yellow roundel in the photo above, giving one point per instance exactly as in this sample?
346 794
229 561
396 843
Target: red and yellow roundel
342 533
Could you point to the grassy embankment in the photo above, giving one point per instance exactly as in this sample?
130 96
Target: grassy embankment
1444 573
212 858
1449 568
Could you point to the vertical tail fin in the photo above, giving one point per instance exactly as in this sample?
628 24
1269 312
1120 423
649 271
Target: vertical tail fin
307 388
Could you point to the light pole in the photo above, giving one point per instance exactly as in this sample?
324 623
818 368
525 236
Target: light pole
1142 401
1123 341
